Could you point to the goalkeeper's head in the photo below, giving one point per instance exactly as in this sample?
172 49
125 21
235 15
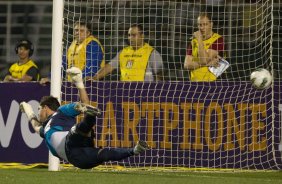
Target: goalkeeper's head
48 106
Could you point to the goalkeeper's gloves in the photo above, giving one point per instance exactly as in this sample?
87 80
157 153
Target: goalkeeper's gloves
27 109
76 76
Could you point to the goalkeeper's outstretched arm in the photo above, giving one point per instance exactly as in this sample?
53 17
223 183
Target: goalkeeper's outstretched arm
36 125
76 78
27 109
83 96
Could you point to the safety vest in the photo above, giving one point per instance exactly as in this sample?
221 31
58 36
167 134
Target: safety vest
202 73
133 63
77 53
19 70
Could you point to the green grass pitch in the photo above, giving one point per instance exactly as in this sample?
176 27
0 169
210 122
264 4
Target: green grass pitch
39 176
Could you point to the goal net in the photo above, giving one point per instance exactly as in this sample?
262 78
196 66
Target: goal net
224 124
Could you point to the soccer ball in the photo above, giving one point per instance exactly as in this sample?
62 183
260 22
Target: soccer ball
261 78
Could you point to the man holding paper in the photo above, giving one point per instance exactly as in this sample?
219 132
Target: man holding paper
204 55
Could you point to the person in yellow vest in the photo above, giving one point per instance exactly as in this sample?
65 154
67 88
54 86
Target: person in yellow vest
25 68
205 50
85 52
137 62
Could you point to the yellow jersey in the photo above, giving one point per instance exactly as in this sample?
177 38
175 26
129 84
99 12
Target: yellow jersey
202 73
88 59
133 63
19 70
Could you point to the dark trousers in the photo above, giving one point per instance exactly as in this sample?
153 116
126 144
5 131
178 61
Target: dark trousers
80 149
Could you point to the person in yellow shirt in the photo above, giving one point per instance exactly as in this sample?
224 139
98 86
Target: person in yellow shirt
137 62
24 69
85 52
205 50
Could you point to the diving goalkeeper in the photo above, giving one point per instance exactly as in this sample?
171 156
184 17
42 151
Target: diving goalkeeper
70 141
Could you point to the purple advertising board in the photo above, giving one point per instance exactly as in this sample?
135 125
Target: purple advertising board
19 143
219 124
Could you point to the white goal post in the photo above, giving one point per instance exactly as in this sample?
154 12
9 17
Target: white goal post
224 124
56 63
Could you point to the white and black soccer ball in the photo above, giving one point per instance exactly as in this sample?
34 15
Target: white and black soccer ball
261 78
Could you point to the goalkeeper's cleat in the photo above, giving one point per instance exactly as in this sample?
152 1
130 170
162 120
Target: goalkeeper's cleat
87 109
140 147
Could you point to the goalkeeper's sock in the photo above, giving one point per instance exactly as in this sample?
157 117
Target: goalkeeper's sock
114 154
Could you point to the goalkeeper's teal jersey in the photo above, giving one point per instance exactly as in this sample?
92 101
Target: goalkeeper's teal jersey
56 128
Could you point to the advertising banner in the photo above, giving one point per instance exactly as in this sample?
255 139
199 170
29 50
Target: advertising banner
219 124
18 141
